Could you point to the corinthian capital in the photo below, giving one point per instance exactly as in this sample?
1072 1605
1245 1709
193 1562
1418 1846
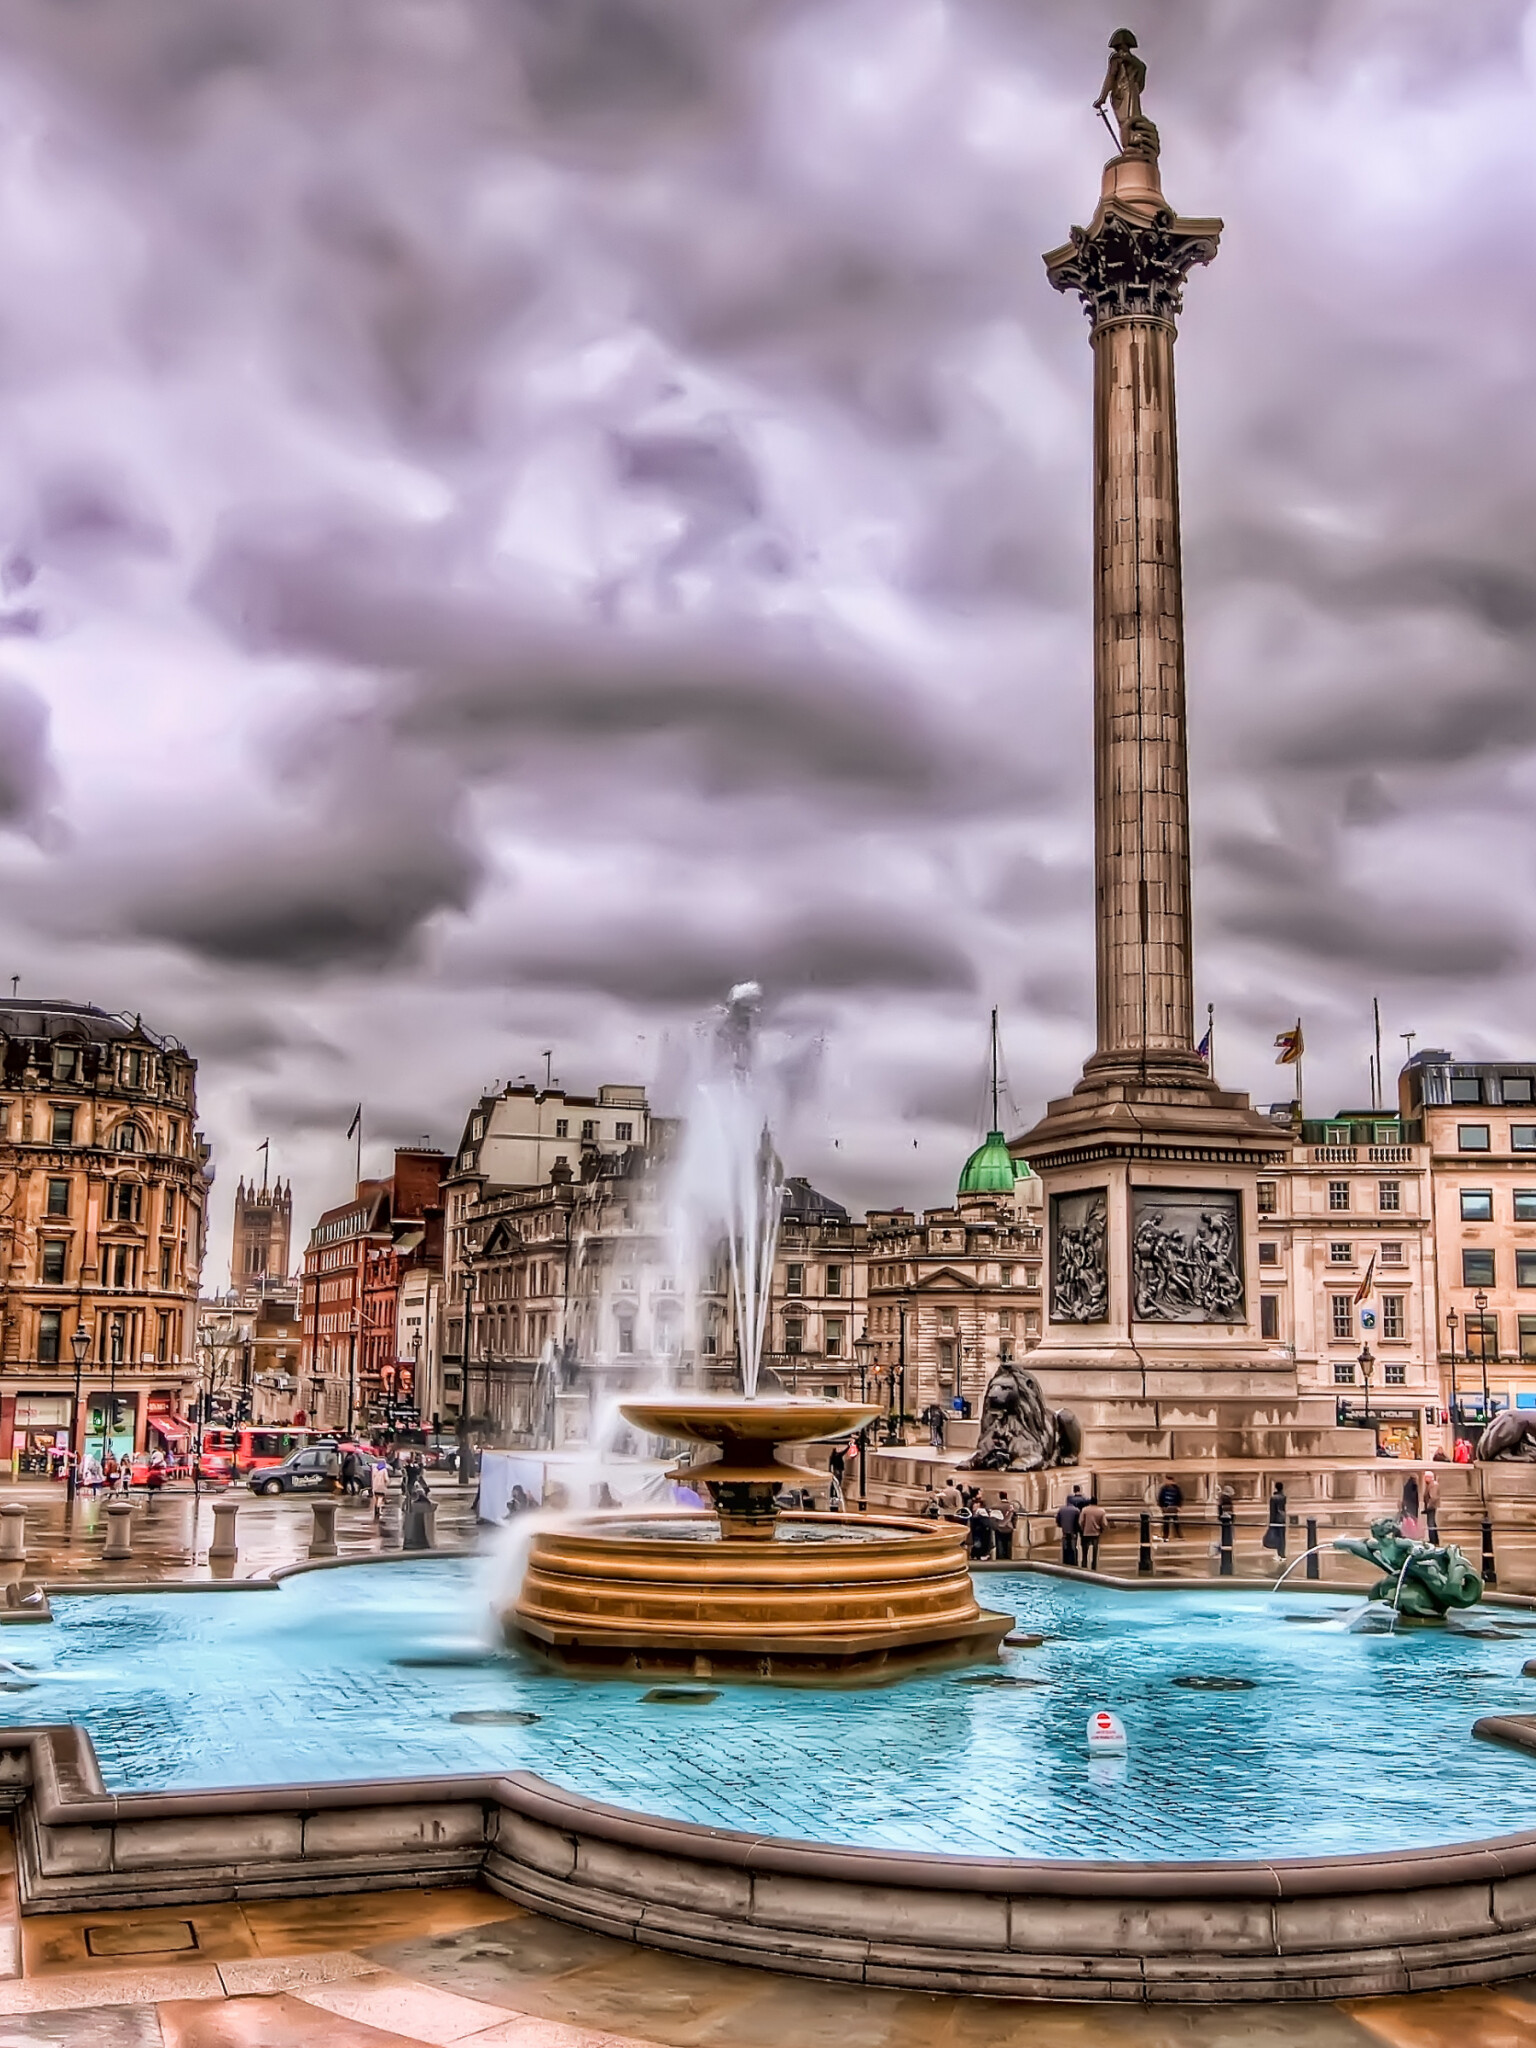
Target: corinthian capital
1126 268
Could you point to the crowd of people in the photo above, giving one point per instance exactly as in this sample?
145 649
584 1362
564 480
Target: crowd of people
990 1527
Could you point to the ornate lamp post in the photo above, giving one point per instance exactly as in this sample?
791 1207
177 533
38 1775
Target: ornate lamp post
1367 1367
864 1349
79 1343
1450 1323
1480 1303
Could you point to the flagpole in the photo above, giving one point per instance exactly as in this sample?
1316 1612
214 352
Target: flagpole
359 1142
1210 1039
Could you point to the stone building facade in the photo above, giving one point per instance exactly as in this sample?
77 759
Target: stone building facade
819 1299
1346 1276
103 1187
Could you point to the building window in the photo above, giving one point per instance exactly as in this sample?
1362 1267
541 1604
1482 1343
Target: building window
1005 1319
1525 1205
947 1360
1389 1194
167 1257
127 1138
623 1133
1522 1137
1476 1269
589 1130
63 1125
834 1344
1269 1255
834 1279
66 1062
1483 1337
1032 1323
163 1337
1477 1205
1472 1137
1269 1315
1341 1252
1338 1194
562 1127
1517 1088
48 1337
55 1251
1343 1372
1005 1276
1528 1337
1466 1088
794 1336
133 1068
1342 1312
1268 1197
794 1279
1395 1373
1525 1269
1393 1324
58 1198
946 1319
626 1337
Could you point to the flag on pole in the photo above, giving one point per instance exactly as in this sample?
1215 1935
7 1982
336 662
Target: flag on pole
1291 1045
357 1121
1203 1049
1363 1291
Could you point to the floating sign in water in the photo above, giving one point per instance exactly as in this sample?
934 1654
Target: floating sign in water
1106 1733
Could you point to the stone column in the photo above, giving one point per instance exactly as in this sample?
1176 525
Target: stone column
1128 267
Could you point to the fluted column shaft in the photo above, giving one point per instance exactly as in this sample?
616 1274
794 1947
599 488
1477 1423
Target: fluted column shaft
1141 840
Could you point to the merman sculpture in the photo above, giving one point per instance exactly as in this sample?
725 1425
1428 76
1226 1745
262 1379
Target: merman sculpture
1422 1581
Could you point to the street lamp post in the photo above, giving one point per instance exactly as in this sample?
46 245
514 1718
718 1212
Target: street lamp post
1450 1323
1480 1303
1367 1367
79 1343
864 1350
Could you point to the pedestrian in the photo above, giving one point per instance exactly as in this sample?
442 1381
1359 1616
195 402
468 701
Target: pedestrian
935 1421
109 1471
930 1510
1091 1524
90 1473
1274 1535
1429 1495
1005 1519
1170 1498
1463 1452
378 1486
981 1533
155 1477
1408 1509
1067 1518
837 1462
950 1501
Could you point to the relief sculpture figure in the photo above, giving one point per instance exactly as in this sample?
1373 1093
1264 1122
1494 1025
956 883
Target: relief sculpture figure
1080 1271
1184 1262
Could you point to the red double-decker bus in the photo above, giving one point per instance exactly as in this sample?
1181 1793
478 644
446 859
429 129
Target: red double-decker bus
236 1452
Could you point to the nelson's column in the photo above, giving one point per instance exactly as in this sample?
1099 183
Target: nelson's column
1151 1172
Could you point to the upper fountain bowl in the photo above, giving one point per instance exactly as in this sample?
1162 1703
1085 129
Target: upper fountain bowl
726 1419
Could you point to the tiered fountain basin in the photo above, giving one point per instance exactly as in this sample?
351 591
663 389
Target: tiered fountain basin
746 1592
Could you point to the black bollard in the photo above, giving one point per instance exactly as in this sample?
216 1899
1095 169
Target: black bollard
1490 1569
1224 1569
1312 1571
1144 1557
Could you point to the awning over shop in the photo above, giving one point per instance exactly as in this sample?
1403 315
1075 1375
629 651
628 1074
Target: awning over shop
174 1431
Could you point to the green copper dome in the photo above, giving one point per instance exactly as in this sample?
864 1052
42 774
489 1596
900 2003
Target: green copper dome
992 1168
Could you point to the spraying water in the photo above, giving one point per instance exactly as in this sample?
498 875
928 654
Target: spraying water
729 1180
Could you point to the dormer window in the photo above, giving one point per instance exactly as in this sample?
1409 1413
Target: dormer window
128 1138
66 1062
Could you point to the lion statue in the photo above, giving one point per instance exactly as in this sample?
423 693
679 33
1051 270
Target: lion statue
1018 1432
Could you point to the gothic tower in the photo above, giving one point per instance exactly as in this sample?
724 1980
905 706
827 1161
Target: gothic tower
263 1221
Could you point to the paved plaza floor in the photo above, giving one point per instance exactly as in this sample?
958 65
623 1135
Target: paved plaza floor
465 1967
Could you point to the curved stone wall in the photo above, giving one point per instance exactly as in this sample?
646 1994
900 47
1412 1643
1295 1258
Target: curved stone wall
1320 1928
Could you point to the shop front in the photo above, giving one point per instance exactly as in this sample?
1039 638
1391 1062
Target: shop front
167 1431
39 1433
1395 1432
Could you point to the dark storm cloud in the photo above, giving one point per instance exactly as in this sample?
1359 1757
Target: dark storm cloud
545 510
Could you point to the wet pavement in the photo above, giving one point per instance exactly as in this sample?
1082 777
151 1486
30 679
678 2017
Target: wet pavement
171 1534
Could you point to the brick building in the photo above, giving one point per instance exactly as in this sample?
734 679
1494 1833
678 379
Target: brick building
352 1375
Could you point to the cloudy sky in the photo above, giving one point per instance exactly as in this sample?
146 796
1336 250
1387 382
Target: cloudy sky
518 514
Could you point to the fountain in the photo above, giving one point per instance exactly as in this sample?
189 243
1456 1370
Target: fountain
746 1591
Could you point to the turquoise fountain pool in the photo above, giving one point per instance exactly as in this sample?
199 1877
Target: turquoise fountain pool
1344 1743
